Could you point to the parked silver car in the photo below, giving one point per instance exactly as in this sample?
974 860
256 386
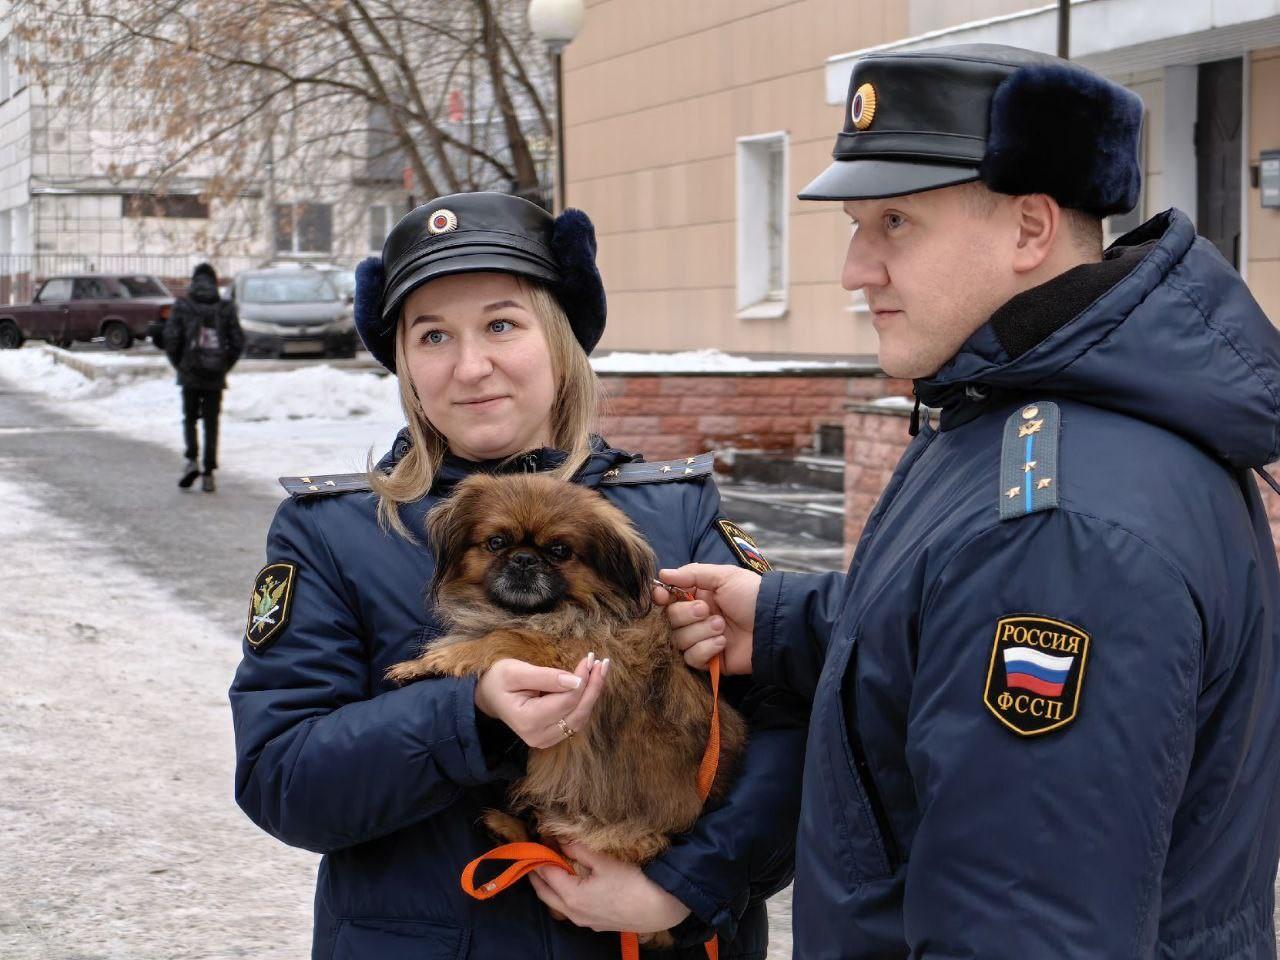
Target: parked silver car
293 312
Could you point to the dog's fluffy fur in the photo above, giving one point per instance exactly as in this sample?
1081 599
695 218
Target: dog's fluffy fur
626 783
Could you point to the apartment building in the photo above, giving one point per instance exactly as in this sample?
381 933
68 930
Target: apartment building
691 127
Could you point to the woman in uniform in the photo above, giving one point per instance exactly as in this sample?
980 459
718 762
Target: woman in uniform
486 308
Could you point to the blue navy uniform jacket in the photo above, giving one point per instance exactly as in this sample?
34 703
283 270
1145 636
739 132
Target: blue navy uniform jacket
1047 724
389 783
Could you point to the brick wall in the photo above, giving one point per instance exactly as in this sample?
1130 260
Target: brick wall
874 439
667 416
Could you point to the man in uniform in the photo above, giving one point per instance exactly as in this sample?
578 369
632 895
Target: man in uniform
1046 698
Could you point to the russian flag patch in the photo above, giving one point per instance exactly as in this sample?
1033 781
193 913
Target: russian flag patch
1035 673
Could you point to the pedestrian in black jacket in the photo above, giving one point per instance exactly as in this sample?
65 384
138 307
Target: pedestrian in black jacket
203 340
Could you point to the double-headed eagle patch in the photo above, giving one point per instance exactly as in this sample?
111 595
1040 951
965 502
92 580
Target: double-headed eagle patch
270 604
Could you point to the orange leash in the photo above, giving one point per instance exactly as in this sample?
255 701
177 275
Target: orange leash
526 857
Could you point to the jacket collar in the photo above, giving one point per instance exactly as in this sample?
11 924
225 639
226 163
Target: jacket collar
454 469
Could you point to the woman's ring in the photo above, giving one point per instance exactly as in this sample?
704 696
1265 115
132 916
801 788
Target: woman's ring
567 730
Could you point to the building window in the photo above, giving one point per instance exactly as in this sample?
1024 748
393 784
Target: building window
762 226
166 206
304 227
382 217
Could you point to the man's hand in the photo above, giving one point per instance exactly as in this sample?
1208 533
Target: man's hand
532 700
607 894
720 620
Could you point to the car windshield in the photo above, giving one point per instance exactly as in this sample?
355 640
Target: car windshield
344 280
142 287
288 288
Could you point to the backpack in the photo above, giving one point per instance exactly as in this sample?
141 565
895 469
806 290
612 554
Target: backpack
206 349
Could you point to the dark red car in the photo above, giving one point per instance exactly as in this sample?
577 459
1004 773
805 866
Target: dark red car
119 308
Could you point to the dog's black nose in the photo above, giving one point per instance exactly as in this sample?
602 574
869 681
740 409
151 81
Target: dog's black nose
523 558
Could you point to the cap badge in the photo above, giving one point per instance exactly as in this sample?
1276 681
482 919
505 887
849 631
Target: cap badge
442 221
863 108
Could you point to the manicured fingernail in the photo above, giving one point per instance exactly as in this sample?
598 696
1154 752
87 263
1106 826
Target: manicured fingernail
604 668
569 681
591 659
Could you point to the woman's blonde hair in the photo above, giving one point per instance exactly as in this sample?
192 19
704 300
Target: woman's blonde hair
573 414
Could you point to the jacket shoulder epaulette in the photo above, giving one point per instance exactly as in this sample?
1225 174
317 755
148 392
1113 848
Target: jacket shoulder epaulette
661 471
320 486
1029 460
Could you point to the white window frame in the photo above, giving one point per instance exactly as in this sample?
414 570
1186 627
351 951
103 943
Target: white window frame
754 298
391 211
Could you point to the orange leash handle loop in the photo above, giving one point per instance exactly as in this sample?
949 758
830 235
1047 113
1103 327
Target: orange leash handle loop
525 858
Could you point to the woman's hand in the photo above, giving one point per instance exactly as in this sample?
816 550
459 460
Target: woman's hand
607 894
533 700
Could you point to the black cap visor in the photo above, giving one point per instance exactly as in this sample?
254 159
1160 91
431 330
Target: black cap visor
475 259
870 179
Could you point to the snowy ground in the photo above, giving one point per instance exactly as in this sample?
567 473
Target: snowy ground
312 419
119 837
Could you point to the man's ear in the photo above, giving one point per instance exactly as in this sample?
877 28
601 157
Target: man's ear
1039 223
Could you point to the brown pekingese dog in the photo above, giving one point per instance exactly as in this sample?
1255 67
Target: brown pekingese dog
544 571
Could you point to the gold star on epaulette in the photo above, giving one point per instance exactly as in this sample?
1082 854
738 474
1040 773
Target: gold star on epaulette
1042 484
666 468
612 474
1028 466
1013 492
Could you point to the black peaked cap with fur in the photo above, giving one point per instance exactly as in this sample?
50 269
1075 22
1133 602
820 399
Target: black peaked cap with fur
1017 120
474 232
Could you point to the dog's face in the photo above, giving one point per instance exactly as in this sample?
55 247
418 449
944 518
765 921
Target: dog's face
530 544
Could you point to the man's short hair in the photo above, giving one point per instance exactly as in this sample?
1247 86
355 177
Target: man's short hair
1084 228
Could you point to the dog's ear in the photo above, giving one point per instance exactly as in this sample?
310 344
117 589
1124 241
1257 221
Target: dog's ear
624 558
449 527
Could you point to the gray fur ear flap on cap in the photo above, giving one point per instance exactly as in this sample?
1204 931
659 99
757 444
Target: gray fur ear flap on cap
371 281
580 289
1062 130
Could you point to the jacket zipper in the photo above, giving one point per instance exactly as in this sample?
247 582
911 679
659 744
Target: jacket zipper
879 813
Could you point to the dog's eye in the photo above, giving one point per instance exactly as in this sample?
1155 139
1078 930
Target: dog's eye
496 543
559 552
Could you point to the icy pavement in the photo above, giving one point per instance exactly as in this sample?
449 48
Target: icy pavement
121 838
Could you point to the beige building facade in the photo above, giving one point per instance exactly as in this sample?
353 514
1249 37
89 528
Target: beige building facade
690 127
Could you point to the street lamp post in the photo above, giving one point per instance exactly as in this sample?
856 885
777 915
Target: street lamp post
556 23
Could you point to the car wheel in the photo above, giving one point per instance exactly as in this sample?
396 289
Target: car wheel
117 336
10 336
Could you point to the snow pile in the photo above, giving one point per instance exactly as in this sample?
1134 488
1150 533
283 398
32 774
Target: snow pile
312 419
697 361
316 391
311 392
37 370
